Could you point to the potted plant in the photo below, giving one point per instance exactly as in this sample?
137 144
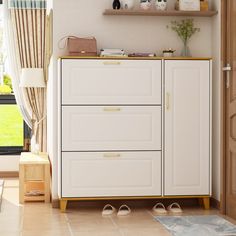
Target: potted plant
185 30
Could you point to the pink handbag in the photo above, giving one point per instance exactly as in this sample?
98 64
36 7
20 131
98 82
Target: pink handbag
81 46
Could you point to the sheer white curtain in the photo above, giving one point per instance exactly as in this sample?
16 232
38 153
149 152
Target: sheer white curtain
14 64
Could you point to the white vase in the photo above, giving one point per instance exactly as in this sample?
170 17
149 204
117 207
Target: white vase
145 4
127 4
161 5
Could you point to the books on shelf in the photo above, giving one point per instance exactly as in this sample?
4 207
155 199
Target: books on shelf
121 53
112 52
142 54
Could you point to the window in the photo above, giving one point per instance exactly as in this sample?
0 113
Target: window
13 129
11 125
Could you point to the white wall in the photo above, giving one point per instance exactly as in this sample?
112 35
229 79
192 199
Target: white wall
134 34
9 163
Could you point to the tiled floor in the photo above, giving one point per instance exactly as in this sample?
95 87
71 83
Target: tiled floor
39 219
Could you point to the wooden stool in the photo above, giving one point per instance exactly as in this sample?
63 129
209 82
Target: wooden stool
34 177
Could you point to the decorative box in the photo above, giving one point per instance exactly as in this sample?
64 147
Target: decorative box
189 5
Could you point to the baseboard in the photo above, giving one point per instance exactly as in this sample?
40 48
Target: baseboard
215 203
9 174
55 203
138 203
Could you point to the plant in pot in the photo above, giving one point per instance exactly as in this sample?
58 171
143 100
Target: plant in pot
185 30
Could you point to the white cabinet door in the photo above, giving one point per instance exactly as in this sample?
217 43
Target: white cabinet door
111 82
99 128
187 127
99 174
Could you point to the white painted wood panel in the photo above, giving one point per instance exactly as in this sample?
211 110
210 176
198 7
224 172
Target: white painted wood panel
111 81
98 128
99 174
187 128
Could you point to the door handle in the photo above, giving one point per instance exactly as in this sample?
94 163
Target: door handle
227 69
111 63
112 109
167 101
111 155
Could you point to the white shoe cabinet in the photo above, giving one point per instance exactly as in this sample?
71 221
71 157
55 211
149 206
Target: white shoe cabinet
134 128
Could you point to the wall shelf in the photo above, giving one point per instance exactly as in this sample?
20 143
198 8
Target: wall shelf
139 12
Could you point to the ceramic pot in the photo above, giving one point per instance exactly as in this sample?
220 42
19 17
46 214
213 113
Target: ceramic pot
127 4
161 5
116 4
145 4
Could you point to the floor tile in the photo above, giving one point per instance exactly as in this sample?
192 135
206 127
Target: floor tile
99 233
137 219
46 233
40 219
145 232
7 233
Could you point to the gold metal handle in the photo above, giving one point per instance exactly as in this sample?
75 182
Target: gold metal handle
111 155
112 109
110 63
167 101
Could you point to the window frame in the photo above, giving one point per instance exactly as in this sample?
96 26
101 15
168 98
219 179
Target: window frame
6 99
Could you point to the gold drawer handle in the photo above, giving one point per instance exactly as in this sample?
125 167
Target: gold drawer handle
167 101
111 155
112 109
111 63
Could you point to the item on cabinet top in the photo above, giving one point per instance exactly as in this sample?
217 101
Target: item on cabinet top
204 5
145 4
189 5
161 5
185 30
112 52
82 46
79 46
168 52
127 4
138 54
116 4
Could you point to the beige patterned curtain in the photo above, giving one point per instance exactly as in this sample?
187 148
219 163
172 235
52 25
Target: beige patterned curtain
29 26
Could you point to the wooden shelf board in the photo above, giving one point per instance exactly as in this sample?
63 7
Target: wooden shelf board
139 12
34 198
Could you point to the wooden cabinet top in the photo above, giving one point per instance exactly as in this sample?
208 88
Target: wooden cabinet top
136 58
31 158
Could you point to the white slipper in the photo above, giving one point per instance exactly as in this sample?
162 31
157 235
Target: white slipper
175 208
160 209
124 210
108 210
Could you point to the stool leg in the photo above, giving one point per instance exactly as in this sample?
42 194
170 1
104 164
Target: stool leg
21 184
63 204
206 203
47 183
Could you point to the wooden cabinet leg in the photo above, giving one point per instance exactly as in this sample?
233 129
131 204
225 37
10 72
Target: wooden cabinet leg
206 203
200 201
63 204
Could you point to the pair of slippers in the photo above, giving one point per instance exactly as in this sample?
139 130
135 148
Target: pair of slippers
108 209
160 209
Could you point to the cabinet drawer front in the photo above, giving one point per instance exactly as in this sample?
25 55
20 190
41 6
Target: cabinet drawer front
111 82
99 128
101 174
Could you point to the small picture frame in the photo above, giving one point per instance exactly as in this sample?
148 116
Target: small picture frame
189 5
